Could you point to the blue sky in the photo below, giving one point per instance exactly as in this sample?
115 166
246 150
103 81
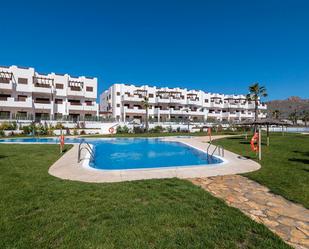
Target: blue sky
216 46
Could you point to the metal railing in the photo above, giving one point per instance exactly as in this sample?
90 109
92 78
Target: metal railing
85 147
218 148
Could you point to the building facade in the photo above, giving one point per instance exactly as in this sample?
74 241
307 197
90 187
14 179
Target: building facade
27 94
125 102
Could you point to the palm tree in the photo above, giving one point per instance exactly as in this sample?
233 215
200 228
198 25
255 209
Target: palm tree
305 117
293 117
276 114
145 104
256 92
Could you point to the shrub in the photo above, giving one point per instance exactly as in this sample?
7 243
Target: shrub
67 130
82 132
178 129
119 129
2 133
75 132
157 129
125 129
137 129
59 126
122 130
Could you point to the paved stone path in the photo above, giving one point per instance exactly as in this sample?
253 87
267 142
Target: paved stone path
288 220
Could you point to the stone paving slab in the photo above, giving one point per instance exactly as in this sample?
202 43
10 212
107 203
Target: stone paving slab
288 220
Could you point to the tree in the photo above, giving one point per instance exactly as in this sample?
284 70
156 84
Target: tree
276 114
293 117
145 104
305 117
256 92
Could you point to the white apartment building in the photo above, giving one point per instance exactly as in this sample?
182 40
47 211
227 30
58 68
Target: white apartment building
27 94
125 102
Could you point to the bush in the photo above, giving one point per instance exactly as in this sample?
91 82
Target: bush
138 129
8 126
67 130
122 130
75 133
59 126
2 133
119 129
82 132
125 129
157 129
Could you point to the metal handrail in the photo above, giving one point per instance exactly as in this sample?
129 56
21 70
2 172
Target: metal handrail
217 147
88 148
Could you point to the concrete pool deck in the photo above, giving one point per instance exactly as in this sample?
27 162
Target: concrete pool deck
68 168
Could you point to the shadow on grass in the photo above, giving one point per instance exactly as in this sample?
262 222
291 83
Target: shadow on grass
1 157
303 153
298 160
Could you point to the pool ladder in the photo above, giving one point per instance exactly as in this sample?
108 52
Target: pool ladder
85 147
218 148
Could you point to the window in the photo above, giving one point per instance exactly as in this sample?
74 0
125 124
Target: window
42 101
21 97
89 88
59 86
74 102
118 93
88 102
22 81
4 80
206 100
118 105
58 101
4 96
150 95
75 88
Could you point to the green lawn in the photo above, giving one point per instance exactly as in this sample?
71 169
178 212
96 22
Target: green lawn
285 164
40 211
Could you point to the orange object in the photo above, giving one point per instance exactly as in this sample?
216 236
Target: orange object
209 133
111 130
61 140
254 143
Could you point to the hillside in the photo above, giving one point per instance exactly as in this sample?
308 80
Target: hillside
288 106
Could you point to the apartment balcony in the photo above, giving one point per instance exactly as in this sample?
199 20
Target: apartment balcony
44 106
215 114
82 107
39 89
225 114
131 98
135 110
163 100
177 101
71 92
6 86
193 102
91 108
11 102
216 105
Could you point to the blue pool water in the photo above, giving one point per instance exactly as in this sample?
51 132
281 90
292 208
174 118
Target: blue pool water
129 153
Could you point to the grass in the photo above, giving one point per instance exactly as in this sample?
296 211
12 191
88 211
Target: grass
40 211
285 164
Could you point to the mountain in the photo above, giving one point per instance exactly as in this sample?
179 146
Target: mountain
287 106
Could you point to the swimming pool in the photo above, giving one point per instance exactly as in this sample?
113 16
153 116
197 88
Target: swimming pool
135 153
